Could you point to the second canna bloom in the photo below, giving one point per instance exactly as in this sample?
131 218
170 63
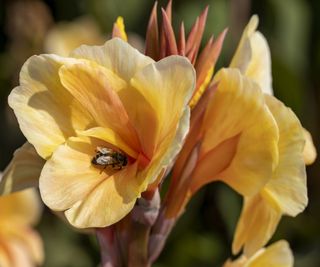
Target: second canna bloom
106 122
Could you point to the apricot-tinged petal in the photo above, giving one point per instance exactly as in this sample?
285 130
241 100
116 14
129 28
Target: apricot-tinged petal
309 152
95 88
167 149
256 225
253 57
22 207
23 171
167 85
69 176
116 55
287 187
46 112
111 137
31 242
108 202
4 257
238 109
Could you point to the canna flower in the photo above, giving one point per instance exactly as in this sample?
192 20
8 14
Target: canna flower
248 139
105 122
276 255
286 192
20 245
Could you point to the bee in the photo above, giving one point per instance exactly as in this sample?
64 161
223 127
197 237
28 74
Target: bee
109 157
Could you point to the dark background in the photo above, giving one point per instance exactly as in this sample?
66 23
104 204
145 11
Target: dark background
204 234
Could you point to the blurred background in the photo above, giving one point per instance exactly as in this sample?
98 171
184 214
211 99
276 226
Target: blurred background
203 236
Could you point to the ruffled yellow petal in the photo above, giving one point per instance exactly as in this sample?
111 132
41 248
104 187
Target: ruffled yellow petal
309 152
117 56
167 85
276 255
46 112
90 196
108 202
95 88
68 176
287 188
253 57
23 207
23 171
256 225
235 122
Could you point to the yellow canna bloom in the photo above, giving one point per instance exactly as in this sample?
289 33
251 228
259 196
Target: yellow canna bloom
286 192
20 245
107 120
276 255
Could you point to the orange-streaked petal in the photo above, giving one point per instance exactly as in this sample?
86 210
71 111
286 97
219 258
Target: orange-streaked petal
256 225
116 55
22 207
287 188
23 171
237 111
168 149
110 137
46 112
253 57
95 88
309 152
167 85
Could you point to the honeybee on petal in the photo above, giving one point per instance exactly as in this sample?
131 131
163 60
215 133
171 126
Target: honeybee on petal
109 157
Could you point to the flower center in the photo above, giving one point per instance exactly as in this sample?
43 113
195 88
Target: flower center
108 157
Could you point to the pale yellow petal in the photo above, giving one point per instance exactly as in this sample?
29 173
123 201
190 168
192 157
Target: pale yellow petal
108 202
116 55
287 188
309 152
276 255
95 88
256 225
237 112
23 171
253 57
68 176
46 112
167 85
23 207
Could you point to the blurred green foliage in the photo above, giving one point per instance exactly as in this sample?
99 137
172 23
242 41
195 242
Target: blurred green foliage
203 236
